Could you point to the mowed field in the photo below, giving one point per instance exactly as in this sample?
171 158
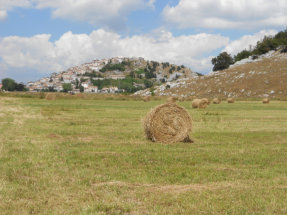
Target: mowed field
90 156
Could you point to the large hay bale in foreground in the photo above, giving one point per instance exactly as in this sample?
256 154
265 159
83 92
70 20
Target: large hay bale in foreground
265 101
199 103
216 101
230 100
168 123
171 99
50 96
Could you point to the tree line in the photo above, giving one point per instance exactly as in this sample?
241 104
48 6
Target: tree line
9 84
269 43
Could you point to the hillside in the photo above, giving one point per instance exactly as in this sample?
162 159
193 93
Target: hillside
112 75
262 77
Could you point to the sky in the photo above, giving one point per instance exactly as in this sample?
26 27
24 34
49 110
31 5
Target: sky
39 37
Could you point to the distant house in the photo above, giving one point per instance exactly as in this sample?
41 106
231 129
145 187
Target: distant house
91 89
1 86
85 84
105 90
113 89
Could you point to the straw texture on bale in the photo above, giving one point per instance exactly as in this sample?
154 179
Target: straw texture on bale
230 100
168 123
265 101
171 99
216 101
199 103
50 96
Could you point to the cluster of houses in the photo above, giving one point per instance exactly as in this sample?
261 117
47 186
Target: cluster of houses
76 77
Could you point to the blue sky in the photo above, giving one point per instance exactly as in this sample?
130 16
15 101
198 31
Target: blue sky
38 37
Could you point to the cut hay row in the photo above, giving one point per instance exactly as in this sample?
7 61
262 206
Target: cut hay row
168 123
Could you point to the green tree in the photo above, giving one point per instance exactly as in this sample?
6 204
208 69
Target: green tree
8 84
82 89
20 87
222 61
67 87
242 55
148 83
77 84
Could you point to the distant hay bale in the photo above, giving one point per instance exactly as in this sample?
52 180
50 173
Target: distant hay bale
181 99
206 100
168 123
216 101
230 100
199 103
50 96
195 103
146 99
203 103
172 99
265 101
188 99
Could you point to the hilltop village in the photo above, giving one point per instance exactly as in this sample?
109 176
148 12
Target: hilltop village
113 75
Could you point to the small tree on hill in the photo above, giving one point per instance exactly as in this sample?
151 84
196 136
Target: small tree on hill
222 61
242 55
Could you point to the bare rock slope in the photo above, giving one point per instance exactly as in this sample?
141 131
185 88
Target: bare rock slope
263 77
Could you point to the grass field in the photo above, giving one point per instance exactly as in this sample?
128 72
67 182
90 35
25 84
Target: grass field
90 156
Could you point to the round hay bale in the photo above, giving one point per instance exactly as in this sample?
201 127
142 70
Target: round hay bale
50 96
146 99
203 103
168 123
199 103
188 99
230 100
216 101
195 103
265 101
171 99
206 100
181 99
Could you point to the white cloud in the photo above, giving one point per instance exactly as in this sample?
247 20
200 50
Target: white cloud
111 14
6 5
28 52
221 14
39 53
3 14
246 41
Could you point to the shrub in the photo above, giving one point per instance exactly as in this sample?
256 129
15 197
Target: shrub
222 61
